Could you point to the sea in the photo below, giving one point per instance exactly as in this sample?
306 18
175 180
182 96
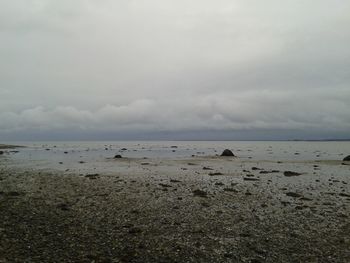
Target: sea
92 154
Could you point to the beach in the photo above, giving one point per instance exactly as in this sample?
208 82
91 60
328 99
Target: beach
279 205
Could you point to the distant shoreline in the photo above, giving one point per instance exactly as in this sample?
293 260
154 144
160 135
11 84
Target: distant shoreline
8 146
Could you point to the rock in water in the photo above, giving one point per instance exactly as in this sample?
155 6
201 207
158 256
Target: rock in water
227 152
347 159
118 156
1 152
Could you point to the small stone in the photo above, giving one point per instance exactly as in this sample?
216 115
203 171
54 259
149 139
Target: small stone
292 194
118 156
250 179
290 173
92 176
215 174
200 193
135 230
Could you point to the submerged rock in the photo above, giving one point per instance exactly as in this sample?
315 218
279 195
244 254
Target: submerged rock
227 152
1 152
118 156
347 159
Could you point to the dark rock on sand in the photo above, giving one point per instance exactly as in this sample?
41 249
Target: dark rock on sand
207 168
269 172
175 181
292 194
135 230
1 152
92 176
250 179
214 174
289 173
227 152
199 193
118 156
347 159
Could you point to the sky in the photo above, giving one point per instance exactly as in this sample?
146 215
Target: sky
184 69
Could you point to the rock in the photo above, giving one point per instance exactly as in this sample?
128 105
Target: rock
199 193
250 179
14 193
92 176
269 172
227 152
135 230
289 173
215 174
347 159
292 194
1 152
207 168
118 156
123 149
174 181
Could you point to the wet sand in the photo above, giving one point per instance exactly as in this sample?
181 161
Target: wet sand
200 209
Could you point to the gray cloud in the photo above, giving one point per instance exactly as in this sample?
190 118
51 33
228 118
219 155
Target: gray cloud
152 66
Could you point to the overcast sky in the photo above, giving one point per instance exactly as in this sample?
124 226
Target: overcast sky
184 69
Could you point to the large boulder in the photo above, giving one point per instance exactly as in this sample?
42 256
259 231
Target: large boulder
347 159
227 152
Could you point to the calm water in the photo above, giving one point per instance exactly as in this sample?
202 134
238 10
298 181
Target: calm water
53 154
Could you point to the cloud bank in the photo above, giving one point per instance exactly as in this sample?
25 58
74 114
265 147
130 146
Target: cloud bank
137 67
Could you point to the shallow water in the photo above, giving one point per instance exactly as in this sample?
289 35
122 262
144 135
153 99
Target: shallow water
94 155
